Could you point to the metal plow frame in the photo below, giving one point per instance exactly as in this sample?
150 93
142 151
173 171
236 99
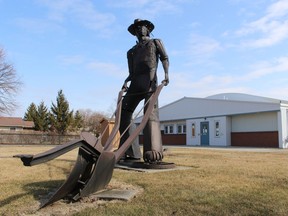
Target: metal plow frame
84 167
94 167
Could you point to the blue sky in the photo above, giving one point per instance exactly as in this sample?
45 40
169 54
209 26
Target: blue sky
80 46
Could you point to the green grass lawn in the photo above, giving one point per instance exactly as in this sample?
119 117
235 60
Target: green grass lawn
219 182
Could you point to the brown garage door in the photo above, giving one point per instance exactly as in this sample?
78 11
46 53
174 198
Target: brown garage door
255 139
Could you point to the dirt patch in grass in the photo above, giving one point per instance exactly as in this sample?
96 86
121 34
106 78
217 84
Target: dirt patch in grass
66 207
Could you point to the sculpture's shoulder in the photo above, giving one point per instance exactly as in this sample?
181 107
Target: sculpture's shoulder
158 42
160 49
134 47
130 51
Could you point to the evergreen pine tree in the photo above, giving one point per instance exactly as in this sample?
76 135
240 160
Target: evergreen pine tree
42 122
31 113
78 121
60 115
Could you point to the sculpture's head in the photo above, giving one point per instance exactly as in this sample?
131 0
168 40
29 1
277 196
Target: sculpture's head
139 23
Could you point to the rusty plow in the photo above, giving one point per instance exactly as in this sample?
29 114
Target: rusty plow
95 163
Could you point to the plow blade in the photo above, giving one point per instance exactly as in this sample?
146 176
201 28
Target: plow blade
88 176
74 182
100 175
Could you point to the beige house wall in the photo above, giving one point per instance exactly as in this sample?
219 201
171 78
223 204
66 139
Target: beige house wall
106 129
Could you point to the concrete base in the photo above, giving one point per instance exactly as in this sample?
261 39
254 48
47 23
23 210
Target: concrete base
118 194
127 167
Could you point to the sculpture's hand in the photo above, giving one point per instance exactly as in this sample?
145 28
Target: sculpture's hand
166 80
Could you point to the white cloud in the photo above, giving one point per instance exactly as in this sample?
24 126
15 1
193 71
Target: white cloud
150 8
278 65
185 84
38 26
107 69
96 67
71 60
57 8
200 49
83 11
268 30
278 9
278 92
203 46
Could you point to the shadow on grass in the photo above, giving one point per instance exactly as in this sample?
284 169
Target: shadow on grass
41 191
10 199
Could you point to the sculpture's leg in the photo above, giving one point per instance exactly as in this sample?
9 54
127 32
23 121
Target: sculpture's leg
129 104
124 123
135 144
152 148
148 110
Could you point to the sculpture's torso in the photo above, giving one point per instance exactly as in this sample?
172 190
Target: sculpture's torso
143 61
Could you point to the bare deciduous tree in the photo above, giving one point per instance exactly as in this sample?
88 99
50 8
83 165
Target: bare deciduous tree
91 120
9 85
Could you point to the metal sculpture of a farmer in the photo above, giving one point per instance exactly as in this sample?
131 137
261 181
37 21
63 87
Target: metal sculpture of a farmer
142 64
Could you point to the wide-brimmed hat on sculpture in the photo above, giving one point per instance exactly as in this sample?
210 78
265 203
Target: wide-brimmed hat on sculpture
139 22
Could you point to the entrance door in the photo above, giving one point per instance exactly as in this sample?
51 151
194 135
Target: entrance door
204 127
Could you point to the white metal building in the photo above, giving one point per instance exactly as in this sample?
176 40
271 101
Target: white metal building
226 120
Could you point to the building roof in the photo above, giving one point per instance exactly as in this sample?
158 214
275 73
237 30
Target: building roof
227 104
244 97
15 122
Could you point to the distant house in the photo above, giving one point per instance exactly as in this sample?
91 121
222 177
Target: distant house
225 120
15 124
106 129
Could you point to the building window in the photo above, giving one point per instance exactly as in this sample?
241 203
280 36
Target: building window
181 129
169 129
217 128
193 130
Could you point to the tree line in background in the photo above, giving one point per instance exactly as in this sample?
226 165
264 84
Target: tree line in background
61 120
58 119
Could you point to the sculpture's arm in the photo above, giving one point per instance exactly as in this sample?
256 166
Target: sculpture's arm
130 68
164 59
165 64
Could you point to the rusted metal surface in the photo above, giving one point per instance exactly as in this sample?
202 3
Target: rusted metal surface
31 160
73 183
94 166
100 175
